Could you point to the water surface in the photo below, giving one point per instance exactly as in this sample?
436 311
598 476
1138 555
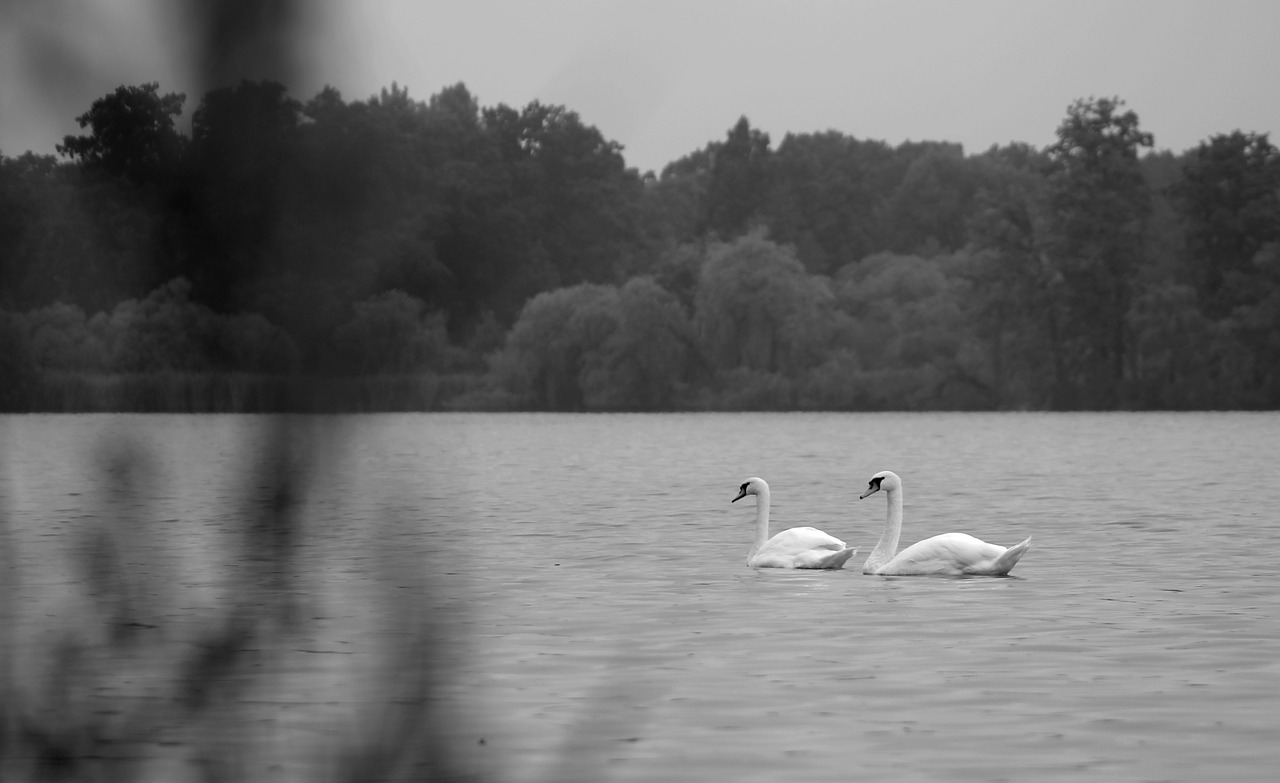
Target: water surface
586 577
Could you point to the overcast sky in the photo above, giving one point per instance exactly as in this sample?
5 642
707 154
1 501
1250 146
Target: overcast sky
663 77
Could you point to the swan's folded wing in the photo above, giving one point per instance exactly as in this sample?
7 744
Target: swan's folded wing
824 558
802 539
949 553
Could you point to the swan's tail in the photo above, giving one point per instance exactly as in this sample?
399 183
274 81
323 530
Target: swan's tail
1006 561
838 559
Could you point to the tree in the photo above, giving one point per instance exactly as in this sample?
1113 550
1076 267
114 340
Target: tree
645 360
757 308
75 236
909 334
825 193
373 171
126 175
928 209
132 134
1258 324
1014 300
1099 203
393 333
244 145
673 206
16 367
553 342
596 347
482 237
739 180
1229 198
575 199
35 198
58 337
1178 352
162 331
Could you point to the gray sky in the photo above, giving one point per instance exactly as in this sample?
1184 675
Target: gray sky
664 77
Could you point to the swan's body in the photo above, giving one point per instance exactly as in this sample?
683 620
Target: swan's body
953 554
797 547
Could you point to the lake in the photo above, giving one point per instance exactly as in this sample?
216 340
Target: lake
573 589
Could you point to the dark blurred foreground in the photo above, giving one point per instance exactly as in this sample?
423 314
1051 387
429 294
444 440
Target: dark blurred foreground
117 673
108 686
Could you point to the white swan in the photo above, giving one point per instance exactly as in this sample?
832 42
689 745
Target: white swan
949 553
797 547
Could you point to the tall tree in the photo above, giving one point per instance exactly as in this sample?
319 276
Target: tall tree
1015 300
130 165
825 192
372 170
739 180
575 199
244 144
1230 202
132 134
35 196
1099 203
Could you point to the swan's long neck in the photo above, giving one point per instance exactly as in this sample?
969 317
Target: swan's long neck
888 543
762 520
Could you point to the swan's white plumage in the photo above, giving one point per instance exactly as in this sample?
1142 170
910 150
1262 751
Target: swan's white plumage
953 554
797 547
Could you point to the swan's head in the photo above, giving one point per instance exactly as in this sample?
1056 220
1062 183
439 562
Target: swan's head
752 486
886 480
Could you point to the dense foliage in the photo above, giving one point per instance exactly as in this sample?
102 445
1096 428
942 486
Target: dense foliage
438 254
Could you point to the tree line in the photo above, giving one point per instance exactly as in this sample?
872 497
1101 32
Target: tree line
394 253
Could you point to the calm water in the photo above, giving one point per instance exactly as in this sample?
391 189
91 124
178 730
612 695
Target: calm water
602 622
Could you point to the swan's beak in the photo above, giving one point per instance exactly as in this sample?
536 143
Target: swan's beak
740 496
869 492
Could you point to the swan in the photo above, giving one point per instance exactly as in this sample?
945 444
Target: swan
797 547
949 553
